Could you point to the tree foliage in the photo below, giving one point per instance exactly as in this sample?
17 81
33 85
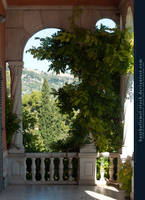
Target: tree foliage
31 113
52 123
97 58
43 125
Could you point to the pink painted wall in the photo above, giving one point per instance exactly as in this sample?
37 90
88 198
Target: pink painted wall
2 64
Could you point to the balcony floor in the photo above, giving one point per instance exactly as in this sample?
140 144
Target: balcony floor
61 192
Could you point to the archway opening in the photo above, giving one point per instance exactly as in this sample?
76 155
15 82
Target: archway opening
109 23
29 61
39 106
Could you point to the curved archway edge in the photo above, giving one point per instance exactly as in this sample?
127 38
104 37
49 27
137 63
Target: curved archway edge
22 24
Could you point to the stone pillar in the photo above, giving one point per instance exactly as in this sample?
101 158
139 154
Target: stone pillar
87 157
16 90
127 88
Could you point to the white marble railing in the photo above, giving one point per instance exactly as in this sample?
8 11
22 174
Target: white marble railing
114 167
51 168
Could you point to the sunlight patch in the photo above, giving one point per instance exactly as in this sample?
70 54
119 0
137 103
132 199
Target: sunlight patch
99 196
111 188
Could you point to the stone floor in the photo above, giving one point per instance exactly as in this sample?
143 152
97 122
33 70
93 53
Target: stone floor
61 192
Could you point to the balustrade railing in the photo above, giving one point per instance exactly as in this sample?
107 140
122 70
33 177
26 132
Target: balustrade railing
62 168
114 160
51 168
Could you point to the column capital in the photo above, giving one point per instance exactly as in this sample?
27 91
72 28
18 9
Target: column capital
15 64
15 68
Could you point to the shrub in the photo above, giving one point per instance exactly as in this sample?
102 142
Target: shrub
125 175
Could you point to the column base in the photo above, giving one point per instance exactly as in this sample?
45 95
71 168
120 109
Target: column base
16 168
132 196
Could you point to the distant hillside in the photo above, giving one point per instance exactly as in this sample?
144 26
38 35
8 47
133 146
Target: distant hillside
33 80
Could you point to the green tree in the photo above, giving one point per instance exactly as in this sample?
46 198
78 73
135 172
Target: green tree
52 123
31 112
97 58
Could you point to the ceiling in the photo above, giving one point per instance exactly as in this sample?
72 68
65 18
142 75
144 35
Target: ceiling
106 3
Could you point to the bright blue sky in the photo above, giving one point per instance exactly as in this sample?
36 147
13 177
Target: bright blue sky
31 63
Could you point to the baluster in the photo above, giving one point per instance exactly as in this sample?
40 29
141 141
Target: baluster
70 169
118 167
111 169
61 169
42 169
52 169
102 173
25 169
33 170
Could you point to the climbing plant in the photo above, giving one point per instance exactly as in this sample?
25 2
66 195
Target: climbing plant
125 177
12 121
97 58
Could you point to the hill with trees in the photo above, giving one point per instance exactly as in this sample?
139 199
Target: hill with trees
32 80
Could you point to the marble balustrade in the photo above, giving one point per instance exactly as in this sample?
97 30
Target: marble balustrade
51 168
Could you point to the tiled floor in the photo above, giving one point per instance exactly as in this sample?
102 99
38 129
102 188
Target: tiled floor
61 192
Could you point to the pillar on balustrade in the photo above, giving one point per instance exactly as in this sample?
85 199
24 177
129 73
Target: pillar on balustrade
16 90
87 157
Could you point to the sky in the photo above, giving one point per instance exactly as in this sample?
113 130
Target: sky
31 63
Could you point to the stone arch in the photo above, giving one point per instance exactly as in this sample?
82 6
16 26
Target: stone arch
22 24
28 36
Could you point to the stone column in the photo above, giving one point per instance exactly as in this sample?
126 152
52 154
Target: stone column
127 88
16 90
